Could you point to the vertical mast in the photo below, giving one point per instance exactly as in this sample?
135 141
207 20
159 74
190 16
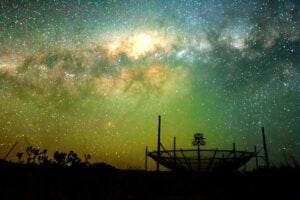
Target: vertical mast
234 151
199 159
158 144
256 158
146 159
174 153
265 147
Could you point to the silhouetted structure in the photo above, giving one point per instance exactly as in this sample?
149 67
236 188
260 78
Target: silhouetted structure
203 160
265 147
158 144
198 140
65 176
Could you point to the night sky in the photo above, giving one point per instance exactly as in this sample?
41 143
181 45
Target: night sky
93 76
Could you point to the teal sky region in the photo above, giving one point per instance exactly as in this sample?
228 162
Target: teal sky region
93 76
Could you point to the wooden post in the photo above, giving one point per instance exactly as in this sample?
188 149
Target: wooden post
158 144
256 158
174 153
199 158
265 147
146 159
234 152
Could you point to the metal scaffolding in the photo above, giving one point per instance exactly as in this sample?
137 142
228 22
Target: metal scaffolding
203 160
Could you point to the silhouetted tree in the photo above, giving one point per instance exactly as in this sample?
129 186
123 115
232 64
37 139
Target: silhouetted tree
73 159
29 154
32 154
87 157
35 152
20 155
60 158
43 158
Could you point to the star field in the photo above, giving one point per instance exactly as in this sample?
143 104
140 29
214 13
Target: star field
93 76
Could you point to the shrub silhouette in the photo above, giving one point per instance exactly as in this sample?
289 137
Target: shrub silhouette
87 157
59 158
37 157
43 158
73 159
32 153
20 155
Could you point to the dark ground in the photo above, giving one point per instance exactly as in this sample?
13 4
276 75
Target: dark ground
103 182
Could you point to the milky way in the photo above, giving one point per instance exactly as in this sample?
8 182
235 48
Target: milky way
92 76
